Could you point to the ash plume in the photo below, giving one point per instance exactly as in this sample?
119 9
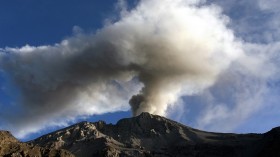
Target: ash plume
154 54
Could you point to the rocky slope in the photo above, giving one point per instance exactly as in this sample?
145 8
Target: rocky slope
146 136
11 147
151 135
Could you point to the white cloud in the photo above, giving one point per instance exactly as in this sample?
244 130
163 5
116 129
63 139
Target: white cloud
160 50
269 5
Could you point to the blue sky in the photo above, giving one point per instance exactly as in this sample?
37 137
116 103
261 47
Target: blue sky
48 22
42 22
242 96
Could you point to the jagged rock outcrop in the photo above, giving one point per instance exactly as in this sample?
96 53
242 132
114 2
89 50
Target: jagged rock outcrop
143 136
155 136
11 147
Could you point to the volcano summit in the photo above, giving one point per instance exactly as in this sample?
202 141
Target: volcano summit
145 135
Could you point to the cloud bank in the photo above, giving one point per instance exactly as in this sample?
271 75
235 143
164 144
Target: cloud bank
149 58
249 88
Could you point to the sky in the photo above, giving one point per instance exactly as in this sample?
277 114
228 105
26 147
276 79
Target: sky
209 64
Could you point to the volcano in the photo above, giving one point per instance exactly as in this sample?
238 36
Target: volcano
145 135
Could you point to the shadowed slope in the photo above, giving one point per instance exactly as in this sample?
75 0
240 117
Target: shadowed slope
11 147
152 135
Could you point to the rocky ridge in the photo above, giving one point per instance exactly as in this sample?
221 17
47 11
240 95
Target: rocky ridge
146 135
152 135
11 147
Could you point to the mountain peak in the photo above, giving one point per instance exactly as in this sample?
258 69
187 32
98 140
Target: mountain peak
6 136
145 114
150 135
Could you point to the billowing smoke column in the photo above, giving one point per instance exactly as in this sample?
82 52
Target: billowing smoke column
153 55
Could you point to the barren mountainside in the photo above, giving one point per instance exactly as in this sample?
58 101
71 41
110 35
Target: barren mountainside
11 147
151 136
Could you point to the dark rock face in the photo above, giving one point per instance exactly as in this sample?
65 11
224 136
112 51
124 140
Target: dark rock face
153 136
270 145
11 147
143 136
